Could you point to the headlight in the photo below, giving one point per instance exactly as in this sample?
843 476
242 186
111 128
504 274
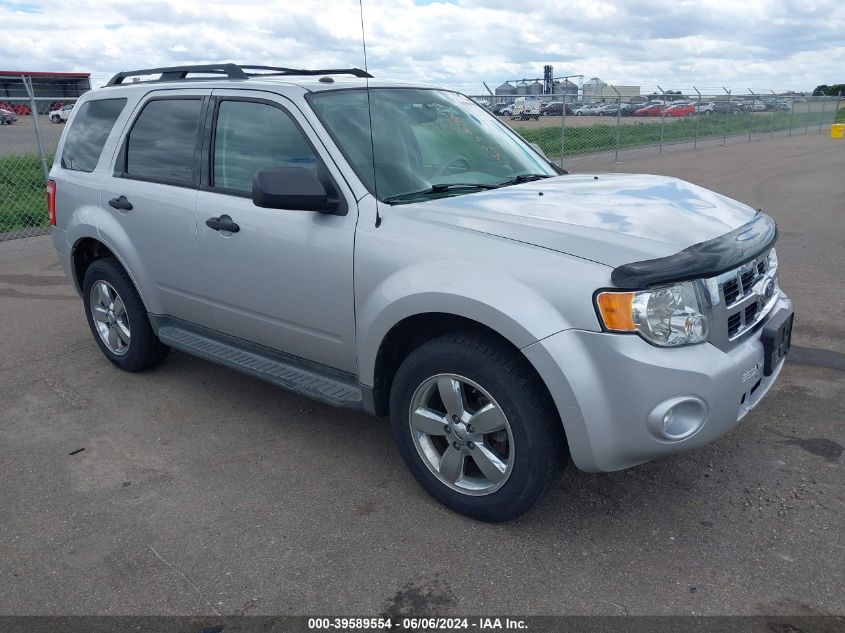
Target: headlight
667 317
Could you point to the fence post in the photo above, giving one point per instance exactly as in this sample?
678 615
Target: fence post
728 113
772 122
618 116
807 114
791 114
697 117
838 101
821 118
563 128
662 118
751 114
27 82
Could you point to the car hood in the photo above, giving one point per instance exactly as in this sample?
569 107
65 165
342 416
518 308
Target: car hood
613 219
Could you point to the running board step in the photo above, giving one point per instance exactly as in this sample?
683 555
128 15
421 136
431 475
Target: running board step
284 374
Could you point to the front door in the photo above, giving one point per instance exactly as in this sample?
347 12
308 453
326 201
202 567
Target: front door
284 279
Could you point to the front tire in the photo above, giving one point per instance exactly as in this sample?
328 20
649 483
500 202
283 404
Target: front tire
118 319
476 427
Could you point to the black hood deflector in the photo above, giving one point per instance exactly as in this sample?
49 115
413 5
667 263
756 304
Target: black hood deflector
703 260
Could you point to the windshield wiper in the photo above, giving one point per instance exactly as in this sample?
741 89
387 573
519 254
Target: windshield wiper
523 178
440 188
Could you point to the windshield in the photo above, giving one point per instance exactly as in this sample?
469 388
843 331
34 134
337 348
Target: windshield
427 143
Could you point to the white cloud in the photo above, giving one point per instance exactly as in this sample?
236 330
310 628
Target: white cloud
756 44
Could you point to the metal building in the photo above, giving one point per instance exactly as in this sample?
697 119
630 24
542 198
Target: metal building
49 88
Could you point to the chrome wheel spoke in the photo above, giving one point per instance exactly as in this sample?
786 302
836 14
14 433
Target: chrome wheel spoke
122 332
119 309
489 463
452 394
428 421
99 314
113 339
104 294
452 464
488 419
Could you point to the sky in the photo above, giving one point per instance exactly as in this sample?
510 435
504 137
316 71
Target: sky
759 45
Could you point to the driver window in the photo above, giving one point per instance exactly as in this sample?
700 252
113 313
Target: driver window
250 136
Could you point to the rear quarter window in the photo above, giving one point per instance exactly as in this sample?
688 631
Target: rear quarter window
88 133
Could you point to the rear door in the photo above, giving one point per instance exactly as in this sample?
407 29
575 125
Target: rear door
151 195
284 280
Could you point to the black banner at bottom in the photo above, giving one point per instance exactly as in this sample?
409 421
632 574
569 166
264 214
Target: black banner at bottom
312 624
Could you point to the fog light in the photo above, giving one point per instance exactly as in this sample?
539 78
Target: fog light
677 418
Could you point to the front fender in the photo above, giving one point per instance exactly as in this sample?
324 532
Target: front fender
505 305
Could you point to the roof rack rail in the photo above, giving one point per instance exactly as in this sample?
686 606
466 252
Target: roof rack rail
232 71
175 73
279 71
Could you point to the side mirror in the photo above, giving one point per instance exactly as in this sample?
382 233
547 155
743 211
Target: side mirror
294 188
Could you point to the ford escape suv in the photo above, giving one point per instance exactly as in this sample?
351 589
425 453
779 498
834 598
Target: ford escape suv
431 266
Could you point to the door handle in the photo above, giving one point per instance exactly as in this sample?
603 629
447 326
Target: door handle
120 203
223 223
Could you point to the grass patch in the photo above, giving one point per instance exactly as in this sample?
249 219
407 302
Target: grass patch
23 201
840 116
602 137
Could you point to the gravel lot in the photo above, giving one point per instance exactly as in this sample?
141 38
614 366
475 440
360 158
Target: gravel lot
19 138
195 490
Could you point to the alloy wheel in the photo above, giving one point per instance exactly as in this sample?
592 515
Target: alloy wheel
462 434
110 318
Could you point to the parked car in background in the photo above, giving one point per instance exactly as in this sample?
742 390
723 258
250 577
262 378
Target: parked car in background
655 109
20 109
628 109
609 109
588 109
526 108
705 107
680 109
499 108
759 106
61 115
7 117
554 108
725 107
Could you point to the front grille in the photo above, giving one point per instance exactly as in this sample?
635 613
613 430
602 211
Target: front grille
730 291
741 303
751 312
734 323
747 279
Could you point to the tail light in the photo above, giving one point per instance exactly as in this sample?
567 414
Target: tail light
51 201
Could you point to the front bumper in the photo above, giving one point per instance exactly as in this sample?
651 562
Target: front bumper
607 388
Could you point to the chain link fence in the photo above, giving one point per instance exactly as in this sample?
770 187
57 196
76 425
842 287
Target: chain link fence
30 128
570 129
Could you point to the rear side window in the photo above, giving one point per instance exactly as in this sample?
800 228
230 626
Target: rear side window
251 136
88 133
162 143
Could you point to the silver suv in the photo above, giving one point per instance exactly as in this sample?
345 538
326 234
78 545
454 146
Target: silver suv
431 266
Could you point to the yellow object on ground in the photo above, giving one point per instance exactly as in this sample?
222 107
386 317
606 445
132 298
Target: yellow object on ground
837 130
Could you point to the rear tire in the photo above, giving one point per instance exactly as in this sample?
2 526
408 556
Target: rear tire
118 319
520 434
